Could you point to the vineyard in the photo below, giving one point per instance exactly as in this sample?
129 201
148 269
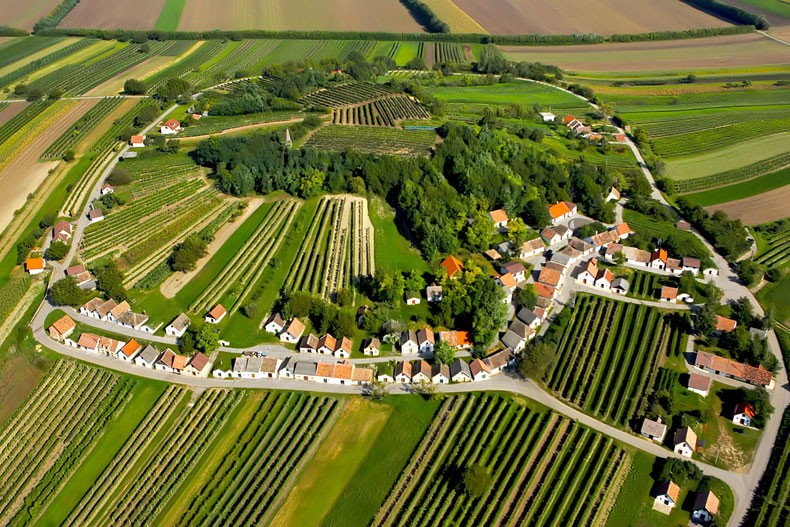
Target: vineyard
346 94
13 125
751 171
52 433
379 140
778 253
140 489
212 125
449 53
24 47
771 503
11 292
545 469
686 144
26 133
29 67
192 62
240 275
648 285
651 228
77 131
238 58
602 366
274 446
386 111
337 250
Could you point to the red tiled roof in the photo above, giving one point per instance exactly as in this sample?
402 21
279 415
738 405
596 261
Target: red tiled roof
217 311
130 348
508 280
33 264
199 361
452 265
725 324
745 408
64 324
670 293
498 216
558 210
544 290
549 276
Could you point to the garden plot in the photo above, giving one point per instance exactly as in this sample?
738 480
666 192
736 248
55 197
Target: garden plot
238 278
608 354
338 249
545 469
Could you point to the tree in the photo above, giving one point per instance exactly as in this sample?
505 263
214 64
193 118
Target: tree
312 183
57 250
490 312
109 279
681 472
207 338
526 297
66 292
480 233
477 480
619 258
68 156
536 360
174 89
443 352
414 281
35 94
186 255
119 177
517 232
704 320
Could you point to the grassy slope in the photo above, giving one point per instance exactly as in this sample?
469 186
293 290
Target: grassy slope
774 297
746 189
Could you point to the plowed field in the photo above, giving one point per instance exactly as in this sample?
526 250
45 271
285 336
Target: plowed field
24 13
140 14
763 208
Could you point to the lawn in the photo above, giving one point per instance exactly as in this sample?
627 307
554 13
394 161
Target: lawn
746 189
773 297
399 254
519 92
170 15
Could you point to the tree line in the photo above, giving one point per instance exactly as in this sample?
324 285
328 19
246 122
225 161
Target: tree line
730 12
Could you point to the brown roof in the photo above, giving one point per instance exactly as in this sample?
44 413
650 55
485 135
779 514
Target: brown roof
108 343
669 488
64 324
492 254
106 307
653 428
452 265
532 245
172 123
508 280
622 229
476 366
295 328
708 501
685 434
75 270
425 335
605 238
670 293
324 369
269 365
180 322
179 362
199 361
499 359
310 341
138 138
544 290
498 215
120 309
96 213
130 348
329 341
217 311
362 375
404 367
689 261
343 370
699 382
725 324
549 276
88 340
422 366
344 344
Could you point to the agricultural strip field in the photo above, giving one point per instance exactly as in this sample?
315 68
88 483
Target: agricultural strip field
777 254
455 17
141 14
771 502
234 58
648 285
777 12
347 94
331 15
233 284
545 469
602 366
316 50
25 47
24 15
217 125
746 189
338 249
170 15
729 51
605 17
20 70
651 228
77 131
381 140
386 111
763 208
53 432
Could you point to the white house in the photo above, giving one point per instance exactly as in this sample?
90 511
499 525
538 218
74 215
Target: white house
699 384
309 344
88 342
685 441
34 265
408 342
425 340
658 259
479 370
655 430
129 351
170 127
372 347
547 117
434 293
292 332
604 280
459 371
528 317
620 286
421 372
170 362
95 215
516 269
500 219
706 506
216 314
513 341
137 141
667 494
440 374
403 372
343 348
412 298
148 357
326 345
274 325
530 248
247 367
107 189
178 326
197 366
614 195
743 414
496 362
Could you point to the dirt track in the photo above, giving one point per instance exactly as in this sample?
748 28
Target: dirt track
763 208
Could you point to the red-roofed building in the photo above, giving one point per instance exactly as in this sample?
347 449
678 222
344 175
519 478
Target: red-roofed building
743 414
170 127
561 210
137 141
34 265
500 219
61 232
216 314
452 266
658 259
725 325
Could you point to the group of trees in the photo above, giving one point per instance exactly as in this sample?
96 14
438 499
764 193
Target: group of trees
324 316
728 236
109 280
187 253
423 14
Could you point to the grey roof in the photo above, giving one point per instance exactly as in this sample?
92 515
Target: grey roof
653 428
150 354
444 369
621 283
511 340
251 365
305 368
519 328
180 322
527 316
407 336
287 365
561 258
460 366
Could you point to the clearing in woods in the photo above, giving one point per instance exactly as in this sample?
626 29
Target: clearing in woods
763 208
604 17
330 15
141 14
23 14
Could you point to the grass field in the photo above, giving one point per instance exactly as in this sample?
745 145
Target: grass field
523 93
170 15
777 11
746 189
354 15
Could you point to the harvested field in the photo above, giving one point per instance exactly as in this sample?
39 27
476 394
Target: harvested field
23 14
141 14
605 17
334 15
7 113
763 208
455 17
750 49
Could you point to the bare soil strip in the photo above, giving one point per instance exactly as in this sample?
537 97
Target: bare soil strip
8 113
141 14
763 208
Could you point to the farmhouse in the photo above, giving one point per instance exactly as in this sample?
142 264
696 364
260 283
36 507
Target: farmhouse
547 117
516 269
434 293
493 255
667 494
34 265
691 265
372 347
580 247
246 367
197 366
425 340
385 372
216 314
562 210
564 257
326 345
555 235
735 370
286 370
592 276
61 232
137 141
129 351
528 317
178 326
62 328
499 360
170 127
293 332
408 342
269 367
275 324
403 372
699 384
500 219
452 266
507 280
95 215
685 441
108 346
604 239
440 374
88 342
725 325
115 313
170 362
620 286
655 430
479 370
668 294
658 259
743 414
513 340
309 344
421 372
530 248
460 372
343 348
106 188
81 276
305 371
633 255
706 506
614 195
148 357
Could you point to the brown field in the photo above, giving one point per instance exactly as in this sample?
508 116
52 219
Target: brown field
604 17
141 14
763 208
18 377
750 49
24 13
333 15
10 111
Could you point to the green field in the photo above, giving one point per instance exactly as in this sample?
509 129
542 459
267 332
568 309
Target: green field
746 189
776 7
524 93
170 15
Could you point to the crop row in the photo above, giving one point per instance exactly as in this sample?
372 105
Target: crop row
778 253
249 262
194 61
736 175
76 132
29 67
149 488
379 140
271 449
387 111
30 131
673 125
24 47
241 59
720 137
544 469
316 50
345 94
51 433
11 292
13 125
134 447
769 507
212 125
602 365
449 53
